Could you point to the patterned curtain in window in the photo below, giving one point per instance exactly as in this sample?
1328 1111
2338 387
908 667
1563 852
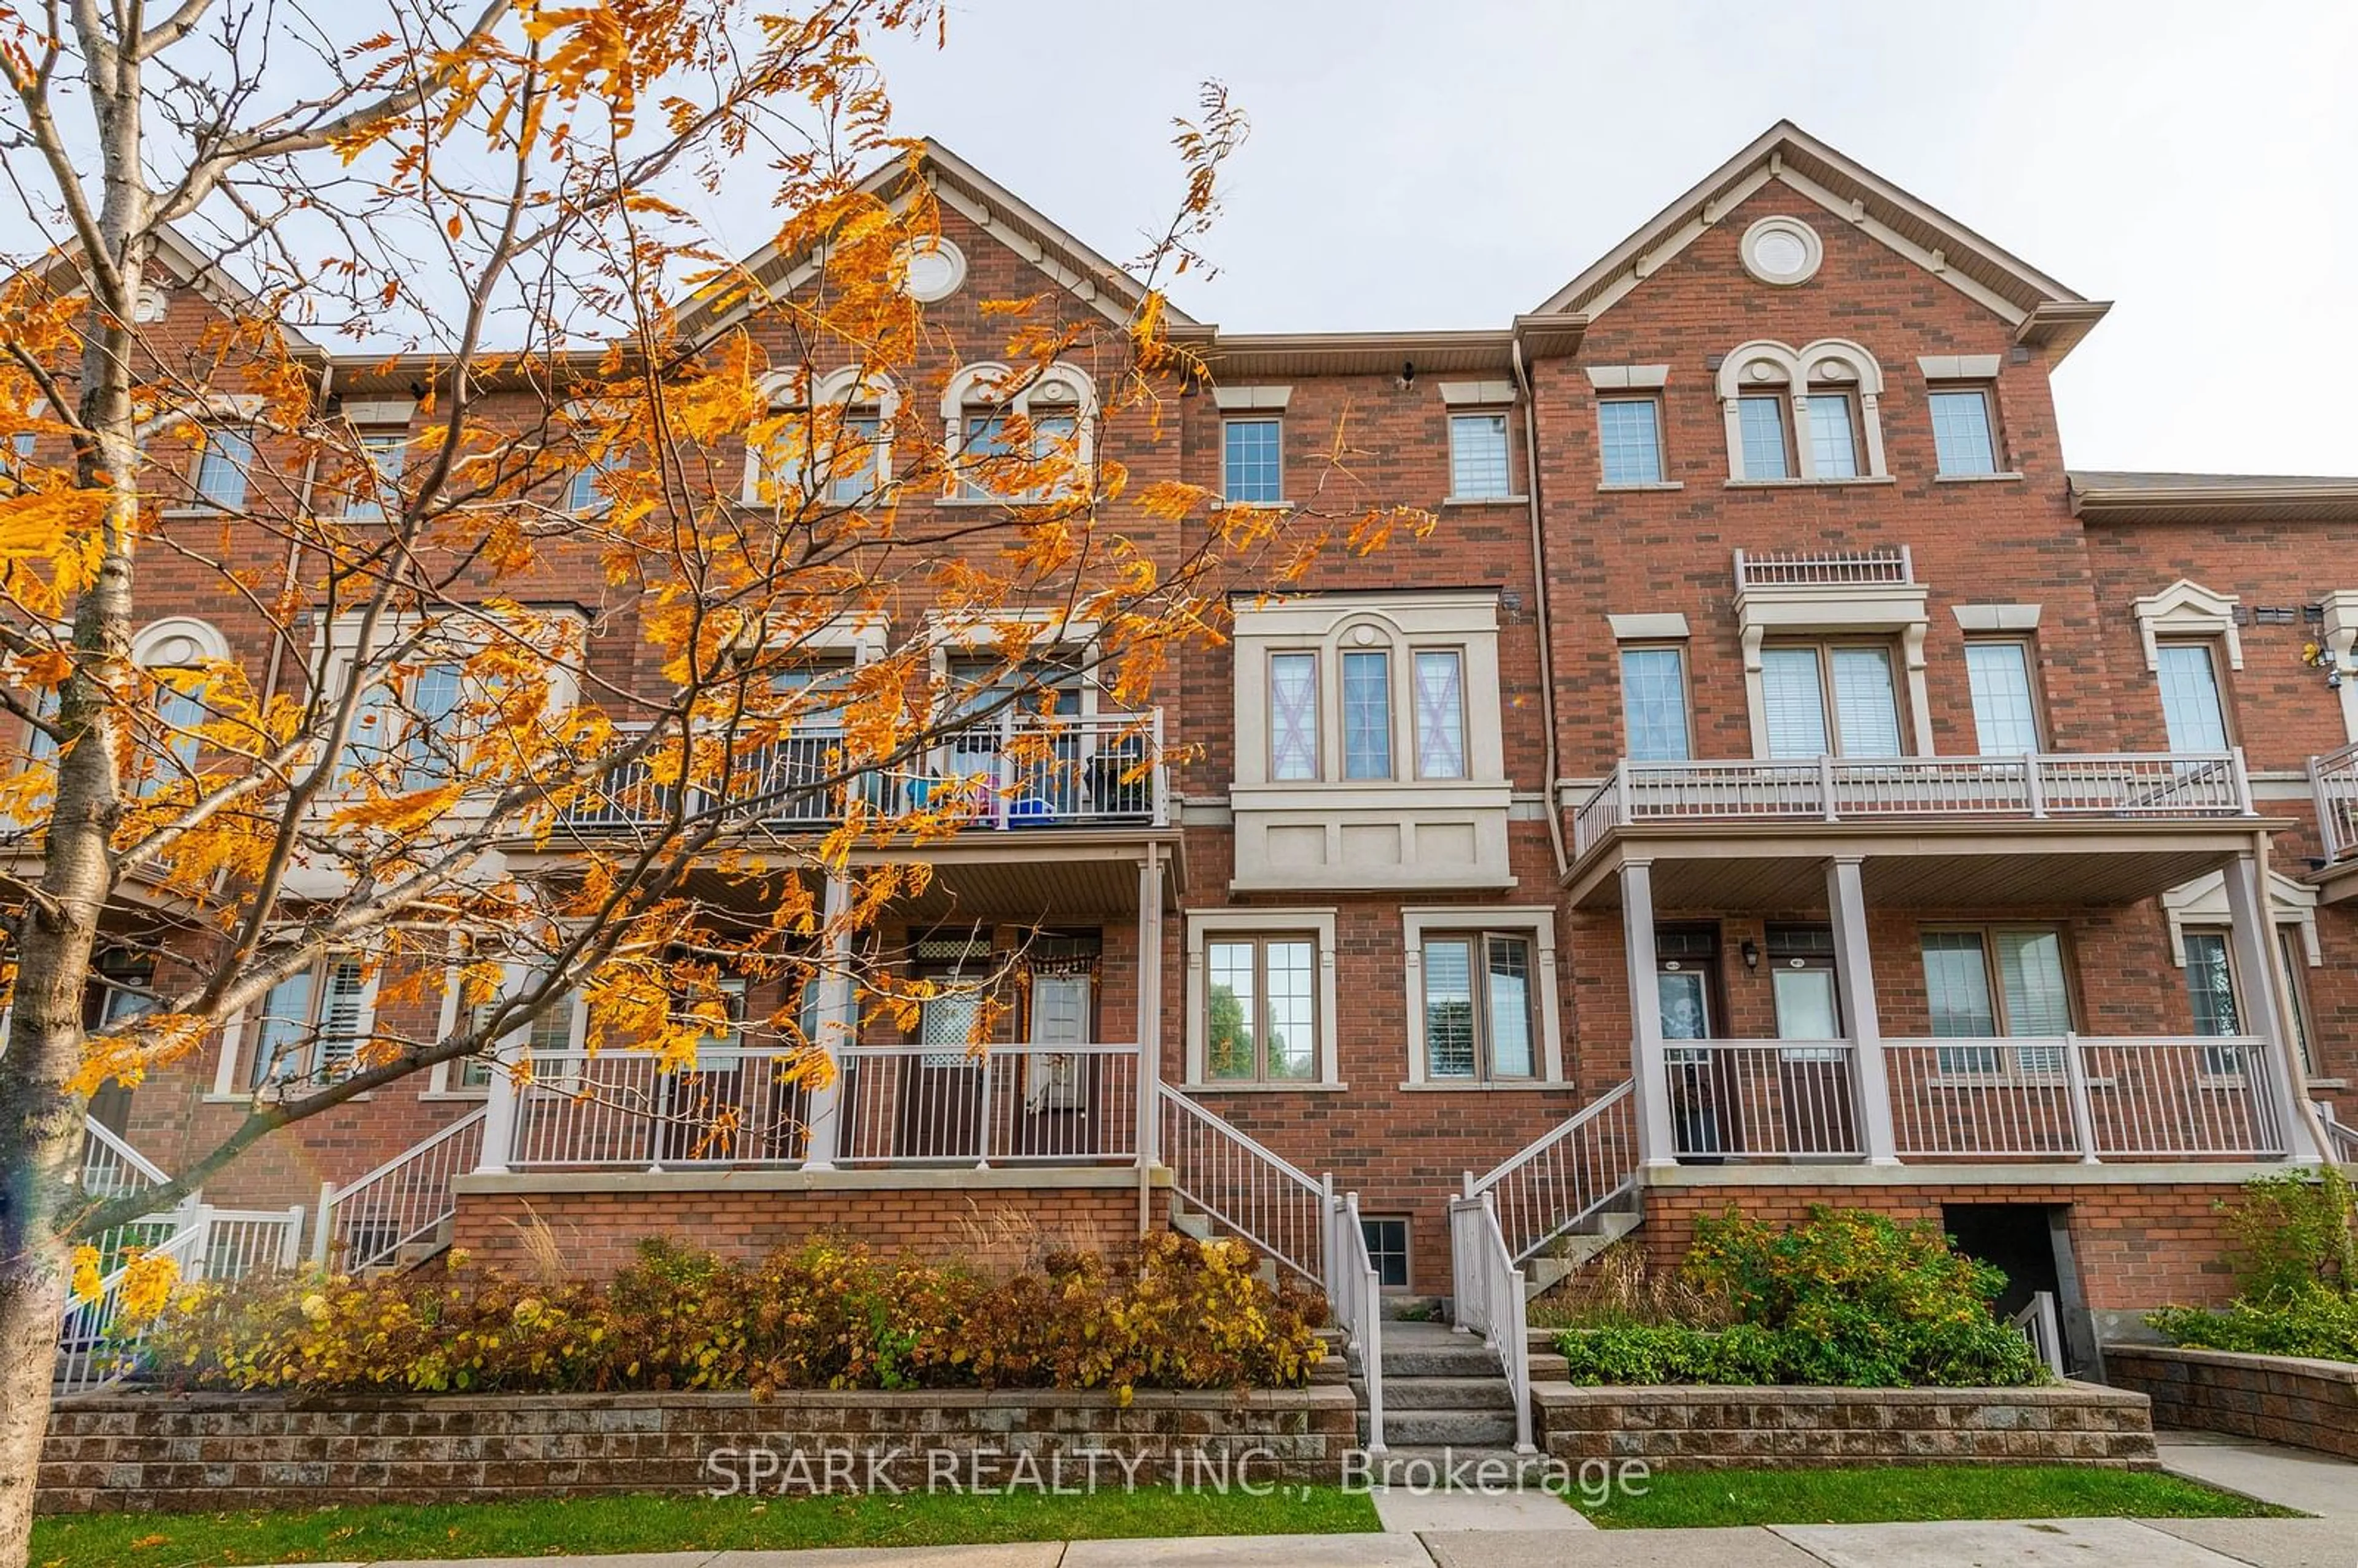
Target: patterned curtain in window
1293 716
1440 716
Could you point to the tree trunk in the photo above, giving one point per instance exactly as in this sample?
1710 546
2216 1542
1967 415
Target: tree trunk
40 1122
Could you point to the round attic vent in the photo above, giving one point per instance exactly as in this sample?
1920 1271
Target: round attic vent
935 267
1782 251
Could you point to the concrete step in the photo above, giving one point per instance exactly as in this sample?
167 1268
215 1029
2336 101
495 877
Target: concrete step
1454 1429
1468 1357
1446 1394
1412 1464
1567 1253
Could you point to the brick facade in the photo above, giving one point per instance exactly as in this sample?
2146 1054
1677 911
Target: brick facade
1366 426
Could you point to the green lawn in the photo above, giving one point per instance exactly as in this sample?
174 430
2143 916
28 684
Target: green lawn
1686 1498
589 1525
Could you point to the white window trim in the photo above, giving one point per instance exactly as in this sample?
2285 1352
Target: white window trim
1401 626
1253 416
975 388
2186 609
1497 407
1540 921
336 647
1996 617
2202 904
233 1070
781 392
1820 610
950 632
1628 378
1204 925
1251 399
1794 371
1662 626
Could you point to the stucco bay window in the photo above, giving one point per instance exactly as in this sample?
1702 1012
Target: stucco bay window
1368 745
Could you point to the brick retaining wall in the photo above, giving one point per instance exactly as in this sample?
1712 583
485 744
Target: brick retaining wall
2277 1399
1780 1428
153 1452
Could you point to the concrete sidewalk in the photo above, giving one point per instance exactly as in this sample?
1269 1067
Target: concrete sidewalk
2039 1544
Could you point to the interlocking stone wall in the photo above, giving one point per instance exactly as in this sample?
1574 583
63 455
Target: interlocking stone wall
2278 1399
150 1452
1712 1428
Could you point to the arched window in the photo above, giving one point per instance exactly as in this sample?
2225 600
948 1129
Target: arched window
838 452
173 653
1810 415
1020 436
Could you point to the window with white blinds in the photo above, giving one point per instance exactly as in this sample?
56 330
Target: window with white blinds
2005 716
312 1025
1984 984
2189 697
1861 721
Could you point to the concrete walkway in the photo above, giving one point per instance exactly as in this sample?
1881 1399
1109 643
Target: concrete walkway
2290 1478
2041 1543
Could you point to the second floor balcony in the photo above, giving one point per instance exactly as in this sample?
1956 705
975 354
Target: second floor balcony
2094 827
1014 772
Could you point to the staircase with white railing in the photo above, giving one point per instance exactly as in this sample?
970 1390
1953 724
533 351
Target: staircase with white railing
370 1222
1297 1219
1576 1183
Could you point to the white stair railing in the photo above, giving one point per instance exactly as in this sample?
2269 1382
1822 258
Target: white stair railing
2341 1138
1564 1177
367 1222
95 1346
1271 1202
2039 1325
1491 1300
1355 1290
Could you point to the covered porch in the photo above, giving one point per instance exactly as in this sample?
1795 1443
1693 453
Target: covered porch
2006 1070
1045 966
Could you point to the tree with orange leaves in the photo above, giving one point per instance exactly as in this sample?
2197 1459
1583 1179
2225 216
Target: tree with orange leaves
559 607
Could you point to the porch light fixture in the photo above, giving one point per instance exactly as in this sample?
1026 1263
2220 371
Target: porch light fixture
1751 951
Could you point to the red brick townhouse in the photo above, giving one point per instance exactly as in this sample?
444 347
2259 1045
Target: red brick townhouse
1777 778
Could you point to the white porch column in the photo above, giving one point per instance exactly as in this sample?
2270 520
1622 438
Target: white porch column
2255 958
1150 1005
837 1019
1855 975
499 1116
1656 1146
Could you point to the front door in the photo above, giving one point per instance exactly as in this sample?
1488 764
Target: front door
1059 1089
941 1087
1687 960
1813 1074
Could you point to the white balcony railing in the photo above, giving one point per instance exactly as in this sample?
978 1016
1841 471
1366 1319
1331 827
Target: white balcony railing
1582 1166
2072 1097
2034 786
1789 1099
2333 779
1888 566
1014 771
913 1105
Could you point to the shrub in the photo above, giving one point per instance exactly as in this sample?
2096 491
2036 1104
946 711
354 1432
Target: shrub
2315 1321
2293 1230
826 1314
2296 1259
1847 1297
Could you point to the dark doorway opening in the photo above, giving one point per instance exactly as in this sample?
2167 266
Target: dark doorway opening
2031 1245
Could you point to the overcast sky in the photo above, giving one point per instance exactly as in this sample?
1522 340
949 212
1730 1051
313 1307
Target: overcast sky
1448 162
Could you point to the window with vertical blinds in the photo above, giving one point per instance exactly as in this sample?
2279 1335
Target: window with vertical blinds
1796 708
1862 719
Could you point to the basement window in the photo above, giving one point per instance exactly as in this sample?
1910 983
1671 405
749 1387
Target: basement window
1387 1238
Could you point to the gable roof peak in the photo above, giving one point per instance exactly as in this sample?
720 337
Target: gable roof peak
2040 309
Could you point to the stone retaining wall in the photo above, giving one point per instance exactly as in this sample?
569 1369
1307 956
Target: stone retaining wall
1781 1428
2277 1399
160 1451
